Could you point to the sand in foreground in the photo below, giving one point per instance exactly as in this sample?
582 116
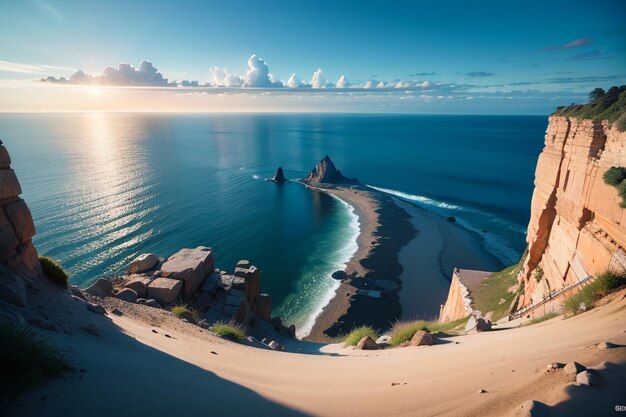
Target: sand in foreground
130 370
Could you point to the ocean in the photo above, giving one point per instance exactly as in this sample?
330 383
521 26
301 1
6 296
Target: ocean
105 187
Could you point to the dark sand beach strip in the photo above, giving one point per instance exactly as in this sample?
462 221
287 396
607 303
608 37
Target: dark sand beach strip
402 243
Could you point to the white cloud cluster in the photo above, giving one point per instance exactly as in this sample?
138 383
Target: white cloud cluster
220 77
257 74
317 80
124 75
343 82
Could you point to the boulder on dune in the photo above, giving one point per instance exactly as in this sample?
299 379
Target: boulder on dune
101 288
366 343
422 338
127 295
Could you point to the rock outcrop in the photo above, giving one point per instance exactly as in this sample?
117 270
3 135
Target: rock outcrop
279 177
325 172
19 263
459 302
577 227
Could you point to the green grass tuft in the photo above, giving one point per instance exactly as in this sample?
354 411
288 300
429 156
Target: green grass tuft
181 310
353 338
545 317
403 331
25 359
231 331
53 270
488 294
597 288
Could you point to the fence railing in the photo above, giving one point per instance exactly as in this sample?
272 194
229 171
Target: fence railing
552 295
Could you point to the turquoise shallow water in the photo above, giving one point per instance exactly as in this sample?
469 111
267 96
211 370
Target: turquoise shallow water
106 187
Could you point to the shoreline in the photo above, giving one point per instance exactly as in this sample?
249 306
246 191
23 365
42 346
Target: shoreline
398 242
384 229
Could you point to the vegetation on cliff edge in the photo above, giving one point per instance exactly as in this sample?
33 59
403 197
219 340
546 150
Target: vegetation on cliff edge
616 176
609 105
597 288
492 294
403 331
353 338
25 359
53 270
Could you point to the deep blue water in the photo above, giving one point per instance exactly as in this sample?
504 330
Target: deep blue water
106 187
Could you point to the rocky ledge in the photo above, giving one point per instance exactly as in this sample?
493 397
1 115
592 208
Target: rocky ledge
189 277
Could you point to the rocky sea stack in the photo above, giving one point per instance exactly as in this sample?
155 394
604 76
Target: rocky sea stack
279 177
325 172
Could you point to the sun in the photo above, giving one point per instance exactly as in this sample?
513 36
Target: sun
94 91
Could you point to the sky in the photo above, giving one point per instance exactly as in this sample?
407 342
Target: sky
463 57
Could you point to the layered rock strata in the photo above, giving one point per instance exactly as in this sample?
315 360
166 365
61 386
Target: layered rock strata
19 263
577 227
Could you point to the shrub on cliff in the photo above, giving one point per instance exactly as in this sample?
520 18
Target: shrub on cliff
53 270
231 331
597 288
353 338
25 359
614 176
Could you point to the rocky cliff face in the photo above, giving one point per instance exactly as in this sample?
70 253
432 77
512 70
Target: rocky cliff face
325 172
19 264
577 227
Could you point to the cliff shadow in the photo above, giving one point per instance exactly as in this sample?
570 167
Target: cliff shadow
117 375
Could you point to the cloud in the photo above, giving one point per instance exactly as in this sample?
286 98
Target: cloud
20 68
577 43
293 82
257 74
422 74
220 77
590 55
124 75
343 82
317 80
478 74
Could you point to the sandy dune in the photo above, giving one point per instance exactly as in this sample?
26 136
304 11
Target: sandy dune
132 371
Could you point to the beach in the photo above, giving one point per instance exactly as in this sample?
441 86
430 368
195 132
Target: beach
402 243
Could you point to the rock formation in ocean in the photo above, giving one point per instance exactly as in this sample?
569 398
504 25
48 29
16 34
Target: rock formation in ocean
325 172
577 227
19 263
279 177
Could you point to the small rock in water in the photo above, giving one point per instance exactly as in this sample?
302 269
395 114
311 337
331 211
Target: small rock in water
92 329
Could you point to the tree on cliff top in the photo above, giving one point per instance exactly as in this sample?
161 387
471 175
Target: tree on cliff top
609 105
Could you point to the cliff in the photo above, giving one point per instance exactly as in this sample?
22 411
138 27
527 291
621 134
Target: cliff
577 227
19 263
